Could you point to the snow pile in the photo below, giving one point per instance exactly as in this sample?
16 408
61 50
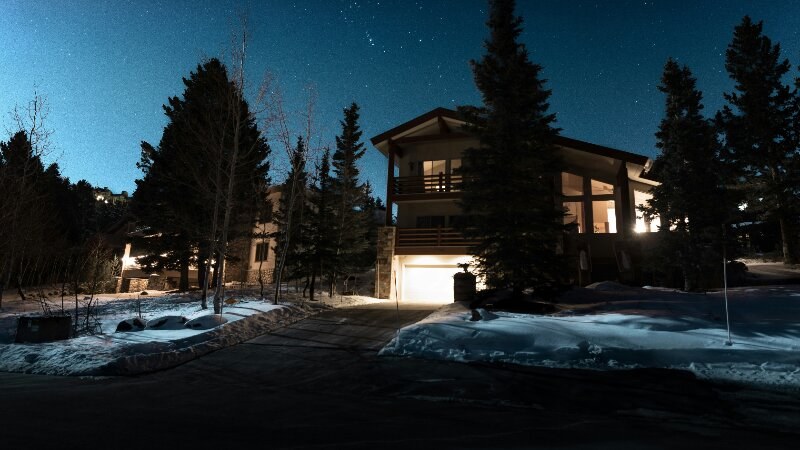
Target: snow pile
154 348
765 338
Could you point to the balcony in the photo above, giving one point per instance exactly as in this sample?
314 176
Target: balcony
440 240
427 184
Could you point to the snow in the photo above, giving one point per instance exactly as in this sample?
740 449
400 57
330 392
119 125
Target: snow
610 327
156 347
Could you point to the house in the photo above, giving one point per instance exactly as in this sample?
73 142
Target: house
418 255
251 255
106 196
256 254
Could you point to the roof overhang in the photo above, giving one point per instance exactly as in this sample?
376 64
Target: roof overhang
452 120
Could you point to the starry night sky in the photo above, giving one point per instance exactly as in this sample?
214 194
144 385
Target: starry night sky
106 67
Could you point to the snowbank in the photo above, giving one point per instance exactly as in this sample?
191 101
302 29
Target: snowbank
766 338
127 353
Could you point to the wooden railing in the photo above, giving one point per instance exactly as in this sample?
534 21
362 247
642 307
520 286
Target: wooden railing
431 237
427 184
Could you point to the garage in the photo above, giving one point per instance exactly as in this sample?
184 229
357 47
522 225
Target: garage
428 283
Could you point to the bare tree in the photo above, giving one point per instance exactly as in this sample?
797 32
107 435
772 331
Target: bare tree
279 124
23 218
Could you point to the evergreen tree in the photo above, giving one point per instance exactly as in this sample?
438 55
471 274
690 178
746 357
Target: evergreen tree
350 223
290 239
199 183
321 234
689 201
509 197
761 146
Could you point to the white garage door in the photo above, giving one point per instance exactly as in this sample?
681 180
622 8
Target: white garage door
428 283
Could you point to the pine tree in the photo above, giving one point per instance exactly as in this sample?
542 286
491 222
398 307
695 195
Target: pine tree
689 201
508 199
290 218
761 147
350 223
199 183
321 235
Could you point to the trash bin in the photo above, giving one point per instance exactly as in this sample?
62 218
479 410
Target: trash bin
464 286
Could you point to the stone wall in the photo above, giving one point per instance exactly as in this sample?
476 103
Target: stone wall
383 265
136 284
252 276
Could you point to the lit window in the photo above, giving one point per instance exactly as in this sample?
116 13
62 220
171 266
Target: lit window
600 188
455 164
575 215
434 167
604 216
571 184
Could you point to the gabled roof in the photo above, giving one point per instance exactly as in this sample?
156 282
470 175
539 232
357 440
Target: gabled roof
562 141
415 122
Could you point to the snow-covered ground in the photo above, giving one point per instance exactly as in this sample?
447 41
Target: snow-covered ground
613 327
117 353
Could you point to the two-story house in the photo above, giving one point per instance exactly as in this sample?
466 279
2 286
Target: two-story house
418 255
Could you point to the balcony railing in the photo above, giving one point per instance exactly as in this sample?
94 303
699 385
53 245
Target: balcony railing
427 184
431 237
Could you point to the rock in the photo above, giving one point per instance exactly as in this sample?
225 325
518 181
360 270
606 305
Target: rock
167 323
206 322
135 324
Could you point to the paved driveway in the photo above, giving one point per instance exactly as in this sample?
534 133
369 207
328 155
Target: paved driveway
319 384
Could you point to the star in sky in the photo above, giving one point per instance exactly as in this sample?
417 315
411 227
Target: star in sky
108 67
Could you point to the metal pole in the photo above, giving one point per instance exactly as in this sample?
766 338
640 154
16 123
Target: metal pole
725 284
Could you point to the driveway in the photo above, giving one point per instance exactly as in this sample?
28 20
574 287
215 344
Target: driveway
320 384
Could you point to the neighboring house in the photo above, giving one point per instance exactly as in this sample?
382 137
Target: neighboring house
256 253
106 196
418 255
252 253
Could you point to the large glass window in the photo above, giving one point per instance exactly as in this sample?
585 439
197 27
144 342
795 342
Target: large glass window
604 216
600 188
642 225
575 215
434 167
571 184
597 195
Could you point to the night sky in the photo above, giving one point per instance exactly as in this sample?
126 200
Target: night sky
106 67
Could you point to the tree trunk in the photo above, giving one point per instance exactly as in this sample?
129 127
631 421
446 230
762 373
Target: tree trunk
215 275
183 284
789 242
311 285
202 276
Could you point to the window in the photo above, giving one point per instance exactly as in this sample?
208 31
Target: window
571 184
575 215
604 216
262 251
600 188
434 167
430 221
435 175
642 225
586 198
